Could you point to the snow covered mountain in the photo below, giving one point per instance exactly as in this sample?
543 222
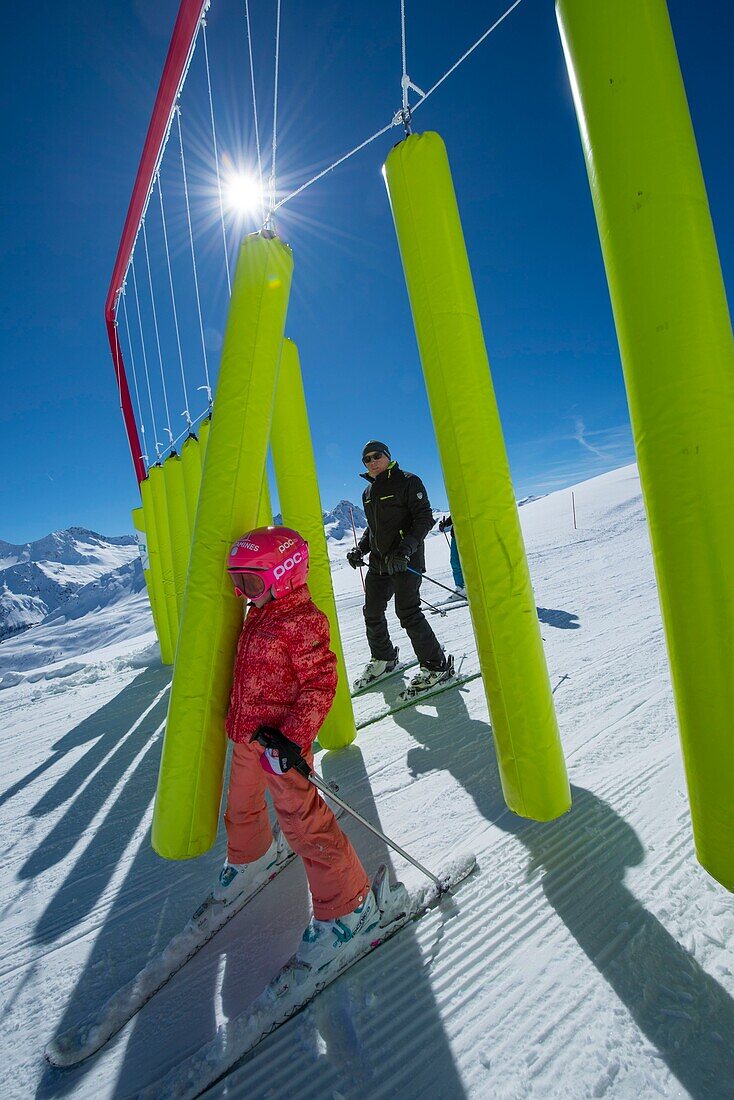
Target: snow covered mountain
73 570
338 521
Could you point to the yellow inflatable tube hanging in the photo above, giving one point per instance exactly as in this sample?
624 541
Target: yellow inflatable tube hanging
300 503
157 480
138 515
677 350
191 461
477 477
178 524
265 508
156 590
191 775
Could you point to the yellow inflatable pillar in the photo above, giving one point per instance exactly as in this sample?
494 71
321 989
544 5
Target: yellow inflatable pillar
191 456
300 503
477 477
156 590
192 765
265 508
138 515
677 352
204 437
157 479
178 524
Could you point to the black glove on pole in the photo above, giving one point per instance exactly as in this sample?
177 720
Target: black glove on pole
396 562
355 559
288 752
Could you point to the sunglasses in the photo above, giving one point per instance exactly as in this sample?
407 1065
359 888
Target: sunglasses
372 458
251 585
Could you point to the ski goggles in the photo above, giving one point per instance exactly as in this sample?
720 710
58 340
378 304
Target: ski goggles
251 585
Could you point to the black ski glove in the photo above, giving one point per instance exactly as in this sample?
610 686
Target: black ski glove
397 562
354 557
289 754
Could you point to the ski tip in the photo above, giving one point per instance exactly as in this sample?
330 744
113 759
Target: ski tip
457 868
57 1054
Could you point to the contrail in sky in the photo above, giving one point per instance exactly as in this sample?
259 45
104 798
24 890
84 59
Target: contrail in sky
579 430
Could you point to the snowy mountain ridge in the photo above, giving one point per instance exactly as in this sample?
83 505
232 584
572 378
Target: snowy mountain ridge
338 520
38 578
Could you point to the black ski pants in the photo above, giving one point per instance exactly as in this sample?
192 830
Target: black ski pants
379 590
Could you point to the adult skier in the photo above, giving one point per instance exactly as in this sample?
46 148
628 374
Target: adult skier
284 681
447 524
399 517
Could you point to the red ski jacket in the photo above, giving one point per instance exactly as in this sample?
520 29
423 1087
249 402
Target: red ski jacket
284 674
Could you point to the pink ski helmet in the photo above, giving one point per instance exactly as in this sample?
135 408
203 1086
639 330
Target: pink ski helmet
268 557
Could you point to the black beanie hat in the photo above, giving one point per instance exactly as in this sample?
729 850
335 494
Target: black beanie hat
375 445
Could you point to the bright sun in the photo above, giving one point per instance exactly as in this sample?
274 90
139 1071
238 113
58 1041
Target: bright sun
243 194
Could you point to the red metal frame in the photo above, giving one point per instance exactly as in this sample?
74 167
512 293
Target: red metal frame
174 70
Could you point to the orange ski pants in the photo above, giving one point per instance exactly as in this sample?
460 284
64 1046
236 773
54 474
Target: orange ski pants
336 878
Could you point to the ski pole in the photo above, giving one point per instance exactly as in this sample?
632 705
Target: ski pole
438 610
330 790
354 532
452 590
274 739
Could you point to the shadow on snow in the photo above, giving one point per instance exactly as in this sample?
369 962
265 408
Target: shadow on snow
336 1034
582 858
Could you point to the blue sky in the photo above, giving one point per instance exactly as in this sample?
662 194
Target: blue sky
81 80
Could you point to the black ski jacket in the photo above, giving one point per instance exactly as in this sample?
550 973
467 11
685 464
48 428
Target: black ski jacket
398 516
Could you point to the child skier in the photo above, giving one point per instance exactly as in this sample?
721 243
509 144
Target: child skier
284 682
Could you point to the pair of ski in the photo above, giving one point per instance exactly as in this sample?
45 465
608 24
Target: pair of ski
291 990
409 694
450 604
400 668
400 704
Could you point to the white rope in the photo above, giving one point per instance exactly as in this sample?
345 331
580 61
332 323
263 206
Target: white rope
145 362
173 305
397 118
464 56
271 182
144 456
325 171
190 429
157 336
208 387
216 158
254 110
405 82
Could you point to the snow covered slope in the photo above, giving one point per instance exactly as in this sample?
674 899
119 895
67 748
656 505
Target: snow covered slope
590 957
